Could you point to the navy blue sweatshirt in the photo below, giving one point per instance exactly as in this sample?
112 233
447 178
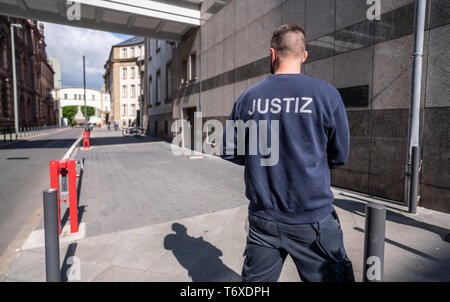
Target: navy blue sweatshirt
313 137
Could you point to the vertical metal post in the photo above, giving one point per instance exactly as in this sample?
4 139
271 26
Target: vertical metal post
84 85
54 184
73 201
13 55
413 193
414 114
374 235
52 268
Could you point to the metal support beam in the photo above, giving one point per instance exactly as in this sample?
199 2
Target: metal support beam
9 10
159 26
130 21
149 8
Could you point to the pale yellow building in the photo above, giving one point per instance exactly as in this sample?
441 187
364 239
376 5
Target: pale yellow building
123 80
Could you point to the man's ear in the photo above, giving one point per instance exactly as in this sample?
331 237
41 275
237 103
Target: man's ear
305 56
274 54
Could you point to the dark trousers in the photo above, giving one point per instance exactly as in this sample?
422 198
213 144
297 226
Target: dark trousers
317 250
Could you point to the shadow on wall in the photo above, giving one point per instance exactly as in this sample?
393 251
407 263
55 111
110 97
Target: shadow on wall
359 208
199 257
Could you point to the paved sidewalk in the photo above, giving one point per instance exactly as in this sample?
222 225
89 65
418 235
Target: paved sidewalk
10 138
147 215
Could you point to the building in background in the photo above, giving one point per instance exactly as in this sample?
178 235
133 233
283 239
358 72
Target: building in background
123 80
368 61
34 76
74 96
55 63
160 88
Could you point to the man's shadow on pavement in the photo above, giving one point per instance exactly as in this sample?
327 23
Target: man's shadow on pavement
199 257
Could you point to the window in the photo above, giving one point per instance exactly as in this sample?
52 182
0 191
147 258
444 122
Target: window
75 96
79 97
139 51
150 91
133 91
133 72
65 96
124 91
133 109
124 73
132 52
192 67
169 82
93 97
184 70
158 87
124 109
124 53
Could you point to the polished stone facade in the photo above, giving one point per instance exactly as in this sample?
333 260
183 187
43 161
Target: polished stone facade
346 50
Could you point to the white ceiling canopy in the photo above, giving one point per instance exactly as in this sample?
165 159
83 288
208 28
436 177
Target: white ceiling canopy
160 19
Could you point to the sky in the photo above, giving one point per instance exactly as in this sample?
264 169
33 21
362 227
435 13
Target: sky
69 44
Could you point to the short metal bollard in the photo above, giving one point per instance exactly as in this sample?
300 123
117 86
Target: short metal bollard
52 268
374 236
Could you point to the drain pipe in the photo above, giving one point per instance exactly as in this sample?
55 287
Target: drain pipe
411 184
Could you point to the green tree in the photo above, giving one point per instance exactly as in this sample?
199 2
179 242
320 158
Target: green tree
69 112
90 111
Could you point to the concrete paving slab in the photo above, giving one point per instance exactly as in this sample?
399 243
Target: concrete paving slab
28 267
116 273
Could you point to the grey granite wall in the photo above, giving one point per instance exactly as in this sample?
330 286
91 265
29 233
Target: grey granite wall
346 50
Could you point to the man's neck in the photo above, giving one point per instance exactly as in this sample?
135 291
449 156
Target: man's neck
289 69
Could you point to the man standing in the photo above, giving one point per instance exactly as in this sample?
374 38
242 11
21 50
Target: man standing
291 204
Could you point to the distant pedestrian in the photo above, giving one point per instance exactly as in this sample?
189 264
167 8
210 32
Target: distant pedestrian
291 204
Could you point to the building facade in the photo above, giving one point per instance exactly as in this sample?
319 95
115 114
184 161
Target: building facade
369 61
160 88
55 63
74 96
34 76
123 80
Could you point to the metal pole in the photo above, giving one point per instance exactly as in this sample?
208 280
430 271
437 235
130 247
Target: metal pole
13 55
413 197
374 242
414 114
52 268
84 85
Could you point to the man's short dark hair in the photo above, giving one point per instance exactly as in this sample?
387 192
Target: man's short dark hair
289 41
